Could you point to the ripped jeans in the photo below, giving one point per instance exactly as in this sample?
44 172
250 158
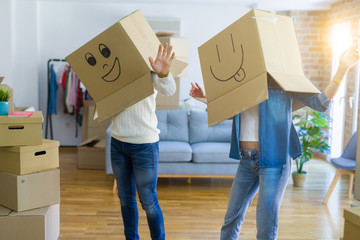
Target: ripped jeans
249 179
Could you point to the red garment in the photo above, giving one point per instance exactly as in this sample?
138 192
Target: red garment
79 99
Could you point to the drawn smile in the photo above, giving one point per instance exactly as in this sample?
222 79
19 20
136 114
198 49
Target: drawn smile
114 72
239 74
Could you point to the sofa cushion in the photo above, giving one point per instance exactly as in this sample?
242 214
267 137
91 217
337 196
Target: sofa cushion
200 132
212 152
173 125
173 151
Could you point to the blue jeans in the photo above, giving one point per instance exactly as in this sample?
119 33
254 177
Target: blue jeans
136 166
249 179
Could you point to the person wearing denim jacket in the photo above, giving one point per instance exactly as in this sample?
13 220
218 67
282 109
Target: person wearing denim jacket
265 164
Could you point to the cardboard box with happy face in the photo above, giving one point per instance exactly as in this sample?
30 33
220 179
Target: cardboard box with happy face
114 66
237 62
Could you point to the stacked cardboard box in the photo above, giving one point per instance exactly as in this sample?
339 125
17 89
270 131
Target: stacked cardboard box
29 180
91 127
91 152
181 49
352 223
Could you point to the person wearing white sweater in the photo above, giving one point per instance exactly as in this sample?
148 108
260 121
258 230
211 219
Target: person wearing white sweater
135 152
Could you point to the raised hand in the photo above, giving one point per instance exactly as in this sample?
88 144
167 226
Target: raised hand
350 57
196 91
163 60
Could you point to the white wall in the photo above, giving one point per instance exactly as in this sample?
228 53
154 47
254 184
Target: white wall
33 31
18 48
25 54
5 41
64 26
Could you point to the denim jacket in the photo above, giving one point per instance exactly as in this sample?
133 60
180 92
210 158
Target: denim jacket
278 139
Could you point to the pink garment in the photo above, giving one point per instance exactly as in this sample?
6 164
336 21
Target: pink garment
69 107
73 92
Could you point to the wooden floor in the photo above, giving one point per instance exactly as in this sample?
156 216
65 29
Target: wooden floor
90 210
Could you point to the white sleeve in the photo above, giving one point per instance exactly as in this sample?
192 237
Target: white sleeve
164 85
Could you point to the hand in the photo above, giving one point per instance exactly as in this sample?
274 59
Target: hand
349 58
196 91
163 60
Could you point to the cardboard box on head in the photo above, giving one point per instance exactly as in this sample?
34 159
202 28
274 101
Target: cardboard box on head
237 62
114 66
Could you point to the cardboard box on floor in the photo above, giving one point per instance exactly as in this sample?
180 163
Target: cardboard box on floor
22 160
91 154
90 127
17 131
37 224
11 100
352 223
26 192
237 62
114 66
164 102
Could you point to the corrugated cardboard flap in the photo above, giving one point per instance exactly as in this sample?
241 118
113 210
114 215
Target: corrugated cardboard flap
294 83
125 97
46 144
98 143
177 67
228 105
36 117
141 34
1 79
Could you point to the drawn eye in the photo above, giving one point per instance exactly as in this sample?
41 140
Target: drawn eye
90 59
104 50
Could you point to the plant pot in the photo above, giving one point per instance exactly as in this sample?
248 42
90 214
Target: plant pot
299 179
4 108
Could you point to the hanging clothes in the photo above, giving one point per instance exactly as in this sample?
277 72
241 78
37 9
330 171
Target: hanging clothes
78 106
73 93
53 91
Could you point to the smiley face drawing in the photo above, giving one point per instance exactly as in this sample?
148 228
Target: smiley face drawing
109 75
239 72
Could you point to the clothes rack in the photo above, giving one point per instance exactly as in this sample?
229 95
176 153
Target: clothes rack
48 115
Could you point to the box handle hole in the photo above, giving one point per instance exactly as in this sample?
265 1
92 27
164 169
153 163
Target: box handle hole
40 153
18 127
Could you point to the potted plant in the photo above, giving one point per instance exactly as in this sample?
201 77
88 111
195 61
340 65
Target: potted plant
312 130
4 101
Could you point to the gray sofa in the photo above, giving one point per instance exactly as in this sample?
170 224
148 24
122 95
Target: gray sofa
188 147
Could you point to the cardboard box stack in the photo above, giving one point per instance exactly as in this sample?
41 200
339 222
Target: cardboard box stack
29 180
91 151
181 49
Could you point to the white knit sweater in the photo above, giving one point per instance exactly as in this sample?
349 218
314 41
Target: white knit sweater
138 123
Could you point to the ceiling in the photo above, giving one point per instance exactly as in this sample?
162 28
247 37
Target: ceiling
273 5
283 5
